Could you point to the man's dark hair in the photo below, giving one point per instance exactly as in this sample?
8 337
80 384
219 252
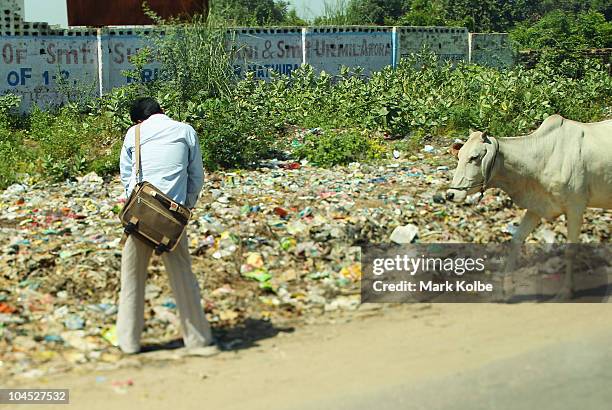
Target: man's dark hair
142 108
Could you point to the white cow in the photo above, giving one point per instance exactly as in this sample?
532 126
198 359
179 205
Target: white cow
563 167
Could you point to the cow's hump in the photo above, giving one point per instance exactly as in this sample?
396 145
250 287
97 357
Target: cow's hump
550 124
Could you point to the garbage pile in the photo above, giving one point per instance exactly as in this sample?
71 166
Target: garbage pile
278 243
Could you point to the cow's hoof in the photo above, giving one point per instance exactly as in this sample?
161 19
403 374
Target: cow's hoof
563 295
508 288
503 296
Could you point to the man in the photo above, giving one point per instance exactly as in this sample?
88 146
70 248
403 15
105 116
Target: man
171 160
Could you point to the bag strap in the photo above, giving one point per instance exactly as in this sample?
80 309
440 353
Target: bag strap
137 146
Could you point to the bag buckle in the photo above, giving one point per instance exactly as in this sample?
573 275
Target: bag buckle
163 246
131 226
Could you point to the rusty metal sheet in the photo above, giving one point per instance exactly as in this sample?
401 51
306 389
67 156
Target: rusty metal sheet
98 13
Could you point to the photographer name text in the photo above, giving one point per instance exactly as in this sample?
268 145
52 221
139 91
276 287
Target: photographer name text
431 286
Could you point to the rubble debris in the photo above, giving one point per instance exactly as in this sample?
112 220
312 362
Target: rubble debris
276 243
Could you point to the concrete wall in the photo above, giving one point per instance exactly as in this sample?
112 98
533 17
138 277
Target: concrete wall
530 58
449 43
264 50
328 49
491 49
118 46
12 23
15 5
31 67
32 60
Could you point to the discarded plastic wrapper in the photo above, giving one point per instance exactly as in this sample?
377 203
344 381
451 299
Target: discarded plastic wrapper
110 335
292 229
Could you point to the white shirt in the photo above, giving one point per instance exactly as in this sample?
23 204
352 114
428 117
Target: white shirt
170 156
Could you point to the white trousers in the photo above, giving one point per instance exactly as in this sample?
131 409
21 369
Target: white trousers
130 319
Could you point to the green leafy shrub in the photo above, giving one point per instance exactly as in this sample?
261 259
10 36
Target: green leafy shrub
8 104
68 143
60 135
107 163
14 157
115 105
564 30
9 113
423 97
196 61
561 36
230 136
252 119
339 147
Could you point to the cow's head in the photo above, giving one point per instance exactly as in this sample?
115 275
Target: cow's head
476 160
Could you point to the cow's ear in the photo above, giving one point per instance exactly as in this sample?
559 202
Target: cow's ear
455 149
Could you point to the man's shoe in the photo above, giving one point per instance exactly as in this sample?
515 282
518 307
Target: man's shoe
204 351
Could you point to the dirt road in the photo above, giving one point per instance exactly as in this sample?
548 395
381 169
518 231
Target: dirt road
411 357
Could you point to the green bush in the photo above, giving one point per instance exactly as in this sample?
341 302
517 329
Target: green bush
8 104
66 143
424 97
12 150
564 31
14 157
339 147
561 36
230 136
196 62
60 143
254 119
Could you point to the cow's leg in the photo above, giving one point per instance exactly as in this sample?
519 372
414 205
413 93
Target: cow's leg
574 223
529 222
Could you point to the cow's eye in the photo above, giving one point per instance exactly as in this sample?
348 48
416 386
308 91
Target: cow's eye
474 158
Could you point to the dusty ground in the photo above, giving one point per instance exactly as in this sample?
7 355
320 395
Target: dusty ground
411 356
270 245
552 356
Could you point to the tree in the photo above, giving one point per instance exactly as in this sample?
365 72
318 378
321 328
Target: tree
478 15
533 10
251 12
375 11
292 19
564 30
424 13
335 13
